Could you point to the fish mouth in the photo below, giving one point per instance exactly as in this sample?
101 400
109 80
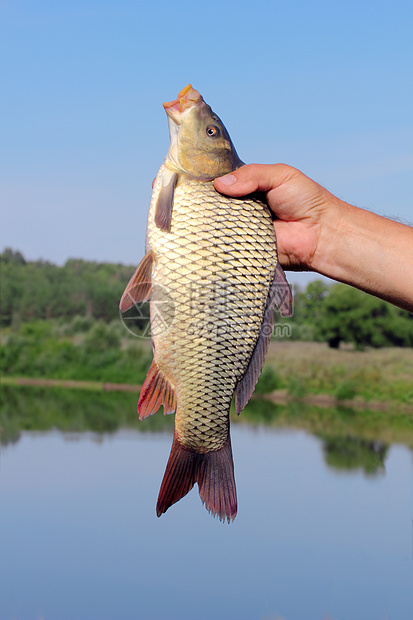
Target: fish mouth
187 98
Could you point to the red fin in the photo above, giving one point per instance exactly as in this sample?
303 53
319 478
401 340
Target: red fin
156 391
179 477
216 483
139 287
214 472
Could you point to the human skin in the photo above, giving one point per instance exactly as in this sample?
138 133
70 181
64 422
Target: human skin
316 231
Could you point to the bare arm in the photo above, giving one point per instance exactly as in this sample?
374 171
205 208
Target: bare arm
316 231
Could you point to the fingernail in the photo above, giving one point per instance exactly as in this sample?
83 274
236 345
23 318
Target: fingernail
228 179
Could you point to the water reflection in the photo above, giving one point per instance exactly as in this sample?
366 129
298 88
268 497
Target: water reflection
351 439
40 409
354 453
79 536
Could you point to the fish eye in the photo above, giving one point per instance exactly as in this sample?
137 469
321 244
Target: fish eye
212 131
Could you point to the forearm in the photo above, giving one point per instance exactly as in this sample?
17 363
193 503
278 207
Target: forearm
369 252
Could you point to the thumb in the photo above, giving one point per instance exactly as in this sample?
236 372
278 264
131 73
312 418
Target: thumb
252 178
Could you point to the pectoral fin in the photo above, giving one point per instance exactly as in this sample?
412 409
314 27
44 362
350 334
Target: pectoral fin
139 287
280 295
163 213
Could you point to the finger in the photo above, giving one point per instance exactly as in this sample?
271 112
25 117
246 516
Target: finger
295 245
283 243
254 177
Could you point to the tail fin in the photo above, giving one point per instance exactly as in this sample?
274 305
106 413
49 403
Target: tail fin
214 473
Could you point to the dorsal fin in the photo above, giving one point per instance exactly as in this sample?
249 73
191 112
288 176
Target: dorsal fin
281 292
279 295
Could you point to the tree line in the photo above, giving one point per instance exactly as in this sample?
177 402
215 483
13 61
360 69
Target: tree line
40 290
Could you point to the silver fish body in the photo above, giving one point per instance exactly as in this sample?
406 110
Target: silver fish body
212 275
217 276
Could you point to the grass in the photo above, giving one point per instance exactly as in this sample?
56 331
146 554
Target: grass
373 375
93 351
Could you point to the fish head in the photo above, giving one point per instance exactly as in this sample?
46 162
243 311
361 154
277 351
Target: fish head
200 145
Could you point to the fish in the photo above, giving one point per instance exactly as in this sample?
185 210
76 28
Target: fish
212 276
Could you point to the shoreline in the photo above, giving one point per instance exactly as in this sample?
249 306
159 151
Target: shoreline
279 397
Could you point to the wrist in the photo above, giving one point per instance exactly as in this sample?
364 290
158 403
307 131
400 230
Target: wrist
368 251
335 228
345 243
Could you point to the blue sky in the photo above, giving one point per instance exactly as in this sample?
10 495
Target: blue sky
324 86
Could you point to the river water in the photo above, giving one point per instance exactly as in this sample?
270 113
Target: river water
318 535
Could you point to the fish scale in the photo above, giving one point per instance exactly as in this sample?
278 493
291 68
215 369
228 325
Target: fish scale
205 370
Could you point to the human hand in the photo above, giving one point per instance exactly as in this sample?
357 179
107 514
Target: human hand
305 210
316 231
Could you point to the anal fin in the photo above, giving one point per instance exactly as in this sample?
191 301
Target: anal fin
139 287
156 391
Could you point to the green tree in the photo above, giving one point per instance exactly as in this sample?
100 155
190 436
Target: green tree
33 290
312 299
349 315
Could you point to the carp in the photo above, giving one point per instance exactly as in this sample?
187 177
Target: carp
211 266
